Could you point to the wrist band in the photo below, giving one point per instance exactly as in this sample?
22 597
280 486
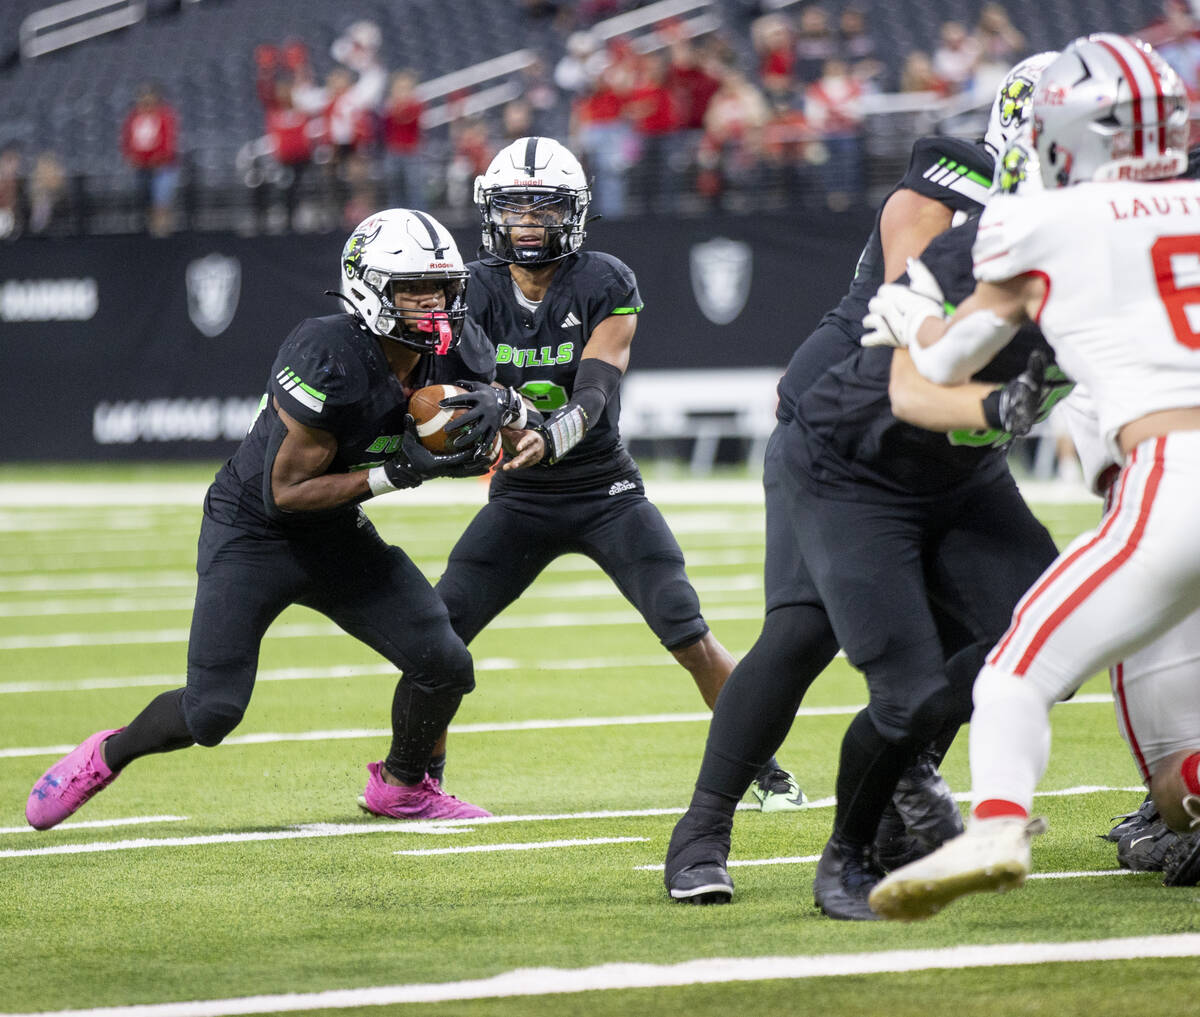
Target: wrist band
377 481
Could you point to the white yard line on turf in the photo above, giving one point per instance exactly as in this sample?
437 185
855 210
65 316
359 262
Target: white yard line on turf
320 830
538 846
561 619
272 737
701 971
99 824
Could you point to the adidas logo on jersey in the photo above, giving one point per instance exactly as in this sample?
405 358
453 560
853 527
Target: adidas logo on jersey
570 321
622 485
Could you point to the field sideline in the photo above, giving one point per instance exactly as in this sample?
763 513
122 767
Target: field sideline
245 880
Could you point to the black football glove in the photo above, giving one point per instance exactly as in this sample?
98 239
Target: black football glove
1015 407
413 464
487 410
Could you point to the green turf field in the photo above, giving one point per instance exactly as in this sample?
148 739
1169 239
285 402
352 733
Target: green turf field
213 875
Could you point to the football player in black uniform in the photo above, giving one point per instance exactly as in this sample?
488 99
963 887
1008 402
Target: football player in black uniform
873 527
282 523
563 321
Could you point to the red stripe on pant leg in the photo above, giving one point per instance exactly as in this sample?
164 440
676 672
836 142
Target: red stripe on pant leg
996 808
1088 587
1190 772
1057 570
1118 682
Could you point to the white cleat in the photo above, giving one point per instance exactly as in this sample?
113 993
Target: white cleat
993 855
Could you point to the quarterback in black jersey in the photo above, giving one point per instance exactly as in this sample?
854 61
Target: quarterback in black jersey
867 521
282 523
563 321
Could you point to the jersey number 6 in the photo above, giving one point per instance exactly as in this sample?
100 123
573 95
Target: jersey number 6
1177 261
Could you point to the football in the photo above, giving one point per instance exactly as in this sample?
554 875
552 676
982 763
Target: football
431 418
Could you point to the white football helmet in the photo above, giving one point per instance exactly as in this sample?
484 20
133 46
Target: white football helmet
1010 108
535 182
401 246
1110 108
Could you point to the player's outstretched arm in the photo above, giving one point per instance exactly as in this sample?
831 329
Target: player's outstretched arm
297 481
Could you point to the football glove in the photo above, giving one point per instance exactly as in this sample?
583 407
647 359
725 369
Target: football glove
1015 407
488 409
413 464
897 311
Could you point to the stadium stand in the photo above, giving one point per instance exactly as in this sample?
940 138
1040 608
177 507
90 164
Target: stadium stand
201 52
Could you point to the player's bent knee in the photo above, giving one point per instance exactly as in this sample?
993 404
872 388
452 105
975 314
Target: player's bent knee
1175 787
210 719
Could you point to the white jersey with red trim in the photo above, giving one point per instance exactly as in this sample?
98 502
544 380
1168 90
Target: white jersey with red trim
1121 263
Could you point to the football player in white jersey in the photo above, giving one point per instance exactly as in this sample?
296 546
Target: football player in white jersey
1104 261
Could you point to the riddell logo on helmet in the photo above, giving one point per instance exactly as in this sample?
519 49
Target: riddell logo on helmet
528 183
441 264
1149 170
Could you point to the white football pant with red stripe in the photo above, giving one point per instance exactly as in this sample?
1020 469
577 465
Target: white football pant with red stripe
1115 589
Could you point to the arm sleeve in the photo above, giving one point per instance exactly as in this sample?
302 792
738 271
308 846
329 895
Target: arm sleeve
966 347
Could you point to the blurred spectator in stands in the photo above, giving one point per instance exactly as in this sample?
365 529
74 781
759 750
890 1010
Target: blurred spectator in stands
472 150
400 130
604 136
588 12
833 106
775 44
345 106
49 200
362 193
731 149
791 154
539 93
1176 36
1000 46
12 193
656 120
956 56
288 137
815 43
857 46
691 84
150 144
576 72
918 75
516 121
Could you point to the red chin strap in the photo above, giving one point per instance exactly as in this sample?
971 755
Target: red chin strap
441 321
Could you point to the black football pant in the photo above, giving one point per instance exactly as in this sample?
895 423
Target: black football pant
345 571
516 535
915 591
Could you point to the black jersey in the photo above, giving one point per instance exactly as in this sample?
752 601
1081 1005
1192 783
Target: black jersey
538 353
332 375
850 434
956 173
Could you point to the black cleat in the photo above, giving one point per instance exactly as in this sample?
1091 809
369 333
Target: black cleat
1134 822
926 805
894 846
1181 867
1145 848
706 883
846 874
699 848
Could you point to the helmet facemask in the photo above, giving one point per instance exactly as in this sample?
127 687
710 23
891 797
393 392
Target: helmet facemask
426 329
514 217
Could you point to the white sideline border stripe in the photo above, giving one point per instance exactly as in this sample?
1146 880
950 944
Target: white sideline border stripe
470 849
314 830
274 737
701 971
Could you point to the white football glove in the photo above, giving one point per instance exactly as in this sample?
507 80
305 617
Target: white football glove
896 312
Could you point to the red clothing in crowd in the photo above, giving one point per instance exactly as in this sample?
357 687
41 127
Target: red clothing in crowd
288 130
653 109
693 88
402 126
150 136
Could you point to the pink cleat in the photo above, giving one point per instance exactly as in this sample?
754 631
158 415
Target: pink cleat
69 783
426 800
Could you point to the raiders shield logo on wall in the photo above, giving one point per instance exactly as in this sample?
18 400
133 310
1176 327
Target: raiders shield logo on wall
721 270
214 284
